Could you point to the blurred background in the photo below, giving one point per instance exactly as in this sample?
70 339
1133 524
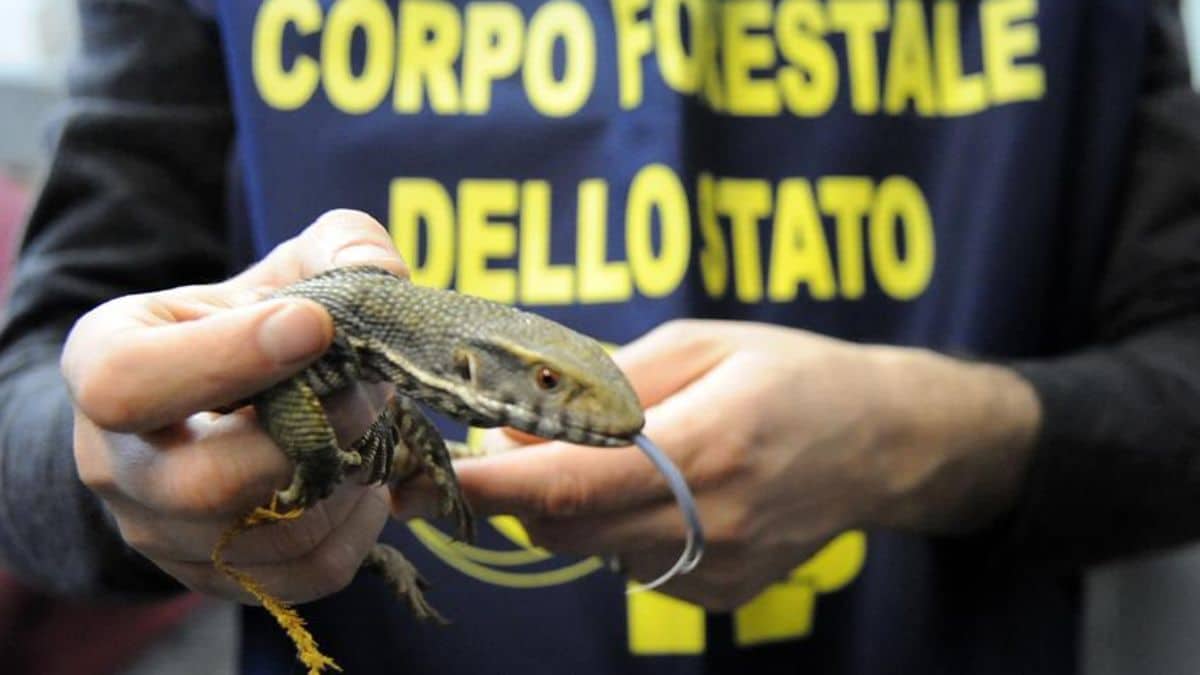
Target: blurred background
1142 616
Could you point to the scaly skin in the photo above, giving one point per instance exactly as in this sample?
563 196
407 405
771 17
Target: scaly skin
477 361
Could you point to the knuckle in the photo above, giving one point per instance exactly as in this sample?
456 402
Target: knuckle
96 369
99 395
729 459
731 528
566 496
91 461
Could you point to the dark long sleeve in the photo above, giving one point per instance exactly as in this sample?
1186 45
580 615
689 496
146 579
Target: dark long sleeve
133 201
1117 465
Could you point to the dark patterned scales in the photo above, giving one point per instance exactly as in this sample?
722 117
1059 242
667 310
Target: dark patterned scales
477 361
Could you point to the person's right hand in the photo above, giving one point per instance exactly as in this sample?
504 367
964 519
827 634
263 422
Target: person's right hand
143 371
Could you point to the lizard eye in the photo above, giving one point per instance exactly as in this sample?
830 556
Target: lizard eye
546 378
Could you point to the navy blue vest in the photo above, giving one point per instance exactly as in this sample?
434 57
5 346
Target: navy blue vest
920 172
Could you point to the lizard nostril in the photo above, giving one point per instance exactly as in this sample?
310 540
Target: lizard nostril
464 366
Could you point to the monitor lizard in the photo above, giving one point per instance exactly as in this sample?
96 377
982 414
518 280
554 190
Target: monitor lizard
478 361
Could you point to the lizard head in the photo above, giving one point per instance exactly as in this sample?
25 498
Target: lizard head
546 380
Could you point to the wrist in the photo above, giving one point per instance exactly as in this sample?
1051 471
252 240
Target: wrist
953 440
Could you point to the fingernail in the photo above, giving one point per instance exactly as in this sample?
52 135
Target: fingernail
360 254
292 333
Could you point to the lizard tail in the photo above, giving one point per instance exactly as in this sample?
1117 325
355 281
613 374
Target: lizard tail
288 618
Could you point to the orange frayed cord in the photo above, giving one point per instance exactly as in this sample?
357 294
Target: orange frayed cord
306 647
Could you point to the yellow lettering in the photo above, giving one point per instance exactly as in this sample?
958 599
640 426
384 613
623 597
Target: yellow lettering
899 202
541 282
680 70
785 611
860 20
657 189
554 21
413 201
848 199
809 85
714 258
350 93
745 202
430 39
1005 41
599 279
633 43
481 238
706 47
799 252
745 52
280 87
660 624
492 51
960 94
910 64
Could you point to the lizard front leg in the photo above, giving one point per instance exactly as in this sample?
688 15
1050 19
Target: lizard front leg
293 417
419 446
377 446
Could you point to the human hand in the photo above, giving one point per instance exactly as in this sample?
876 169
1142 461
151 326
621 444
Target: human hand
144 371
787 439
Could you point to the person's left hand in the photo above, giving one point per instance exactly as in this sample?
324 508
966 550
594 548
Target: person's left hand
786 438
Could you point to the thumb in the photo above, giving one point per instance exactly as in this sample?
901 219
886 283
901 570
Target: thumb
129 372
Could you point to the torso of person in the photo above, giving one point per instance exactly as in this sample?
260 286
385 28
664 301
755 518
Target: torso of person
920 172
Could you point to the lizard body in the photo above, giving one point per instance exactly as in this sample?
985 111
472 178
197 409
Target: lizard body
477 361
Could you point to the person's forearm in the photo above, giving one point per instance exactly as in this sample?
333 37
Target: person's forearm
1114 467
955 438
1065 461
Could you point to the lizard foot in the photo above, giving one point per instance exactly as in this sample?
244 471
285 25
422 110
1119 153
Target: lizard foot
403 578
299 495
377 446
